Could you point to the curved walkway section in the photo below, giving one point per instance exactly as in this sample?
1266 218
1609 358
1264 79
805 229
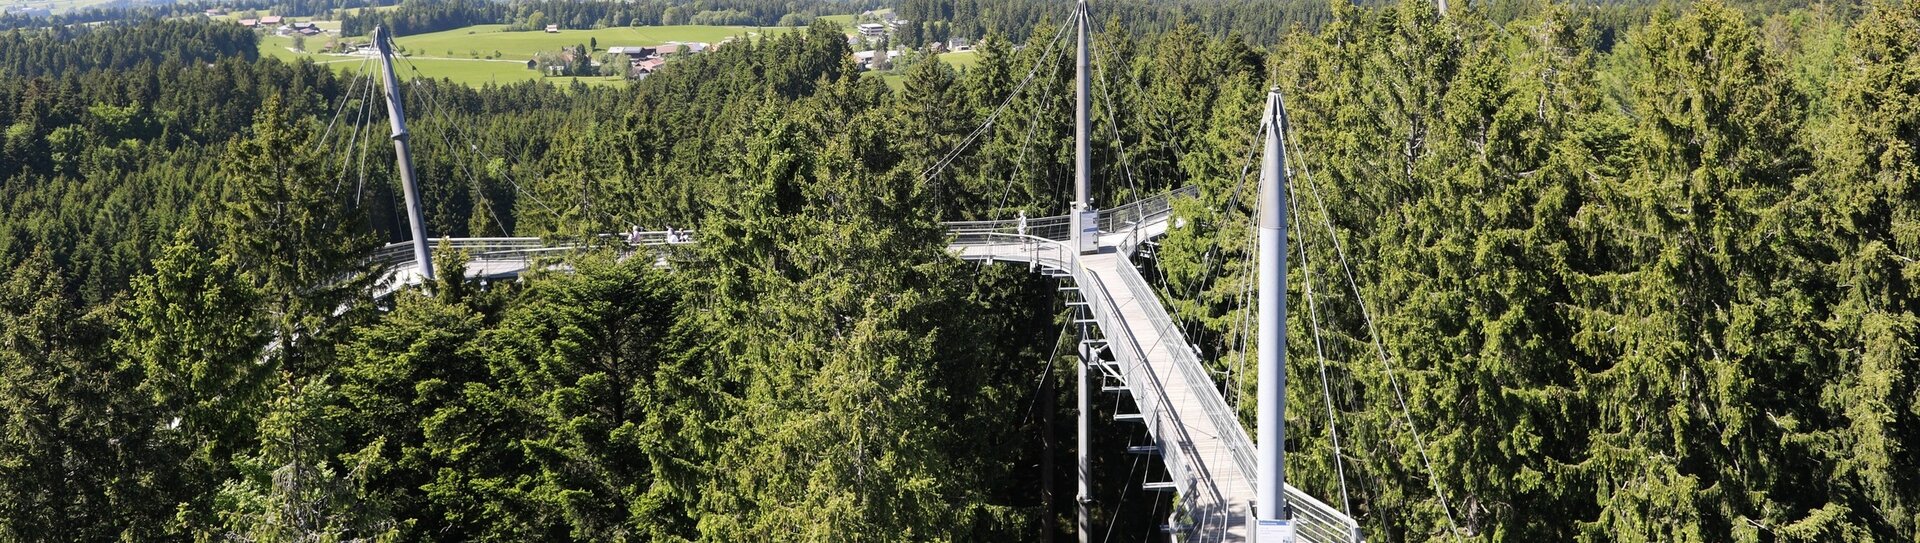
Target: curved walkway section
1207 452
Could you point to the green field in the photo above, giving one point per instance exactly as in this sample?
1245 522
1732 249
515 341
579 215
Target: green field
522 45
961 60
896 80
450 54
60 6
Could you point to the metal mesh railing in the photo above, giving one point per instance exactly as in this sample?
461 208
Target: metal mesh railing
1012 247
1060 227
1316 521
1203 502
1184 360
1144 210
521 249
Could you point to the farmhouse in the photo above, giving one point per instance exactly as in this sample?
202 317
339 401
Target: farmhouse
634 52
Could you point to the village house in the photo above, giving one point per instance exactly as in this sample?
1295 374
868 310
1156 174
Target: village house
675 48
864 59
872 30
270 20
553 29
644 68
632 52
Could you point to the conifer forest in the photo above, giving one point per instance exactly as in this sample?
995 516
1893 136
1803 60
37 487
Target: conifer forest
1579 270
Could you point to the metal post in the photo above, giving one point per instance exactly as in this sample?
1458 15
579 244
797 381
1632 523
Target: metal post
1271 498
409 187
1047 524
1082 143
1084 526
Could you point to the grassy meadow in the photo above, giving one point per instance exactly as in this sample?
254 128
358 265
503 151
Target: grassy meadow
482 54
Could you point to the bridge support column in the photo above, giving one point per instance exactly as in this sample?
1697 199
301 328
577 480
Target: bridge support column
1047 525
1084 499
382 38
1086 239
1085 222
1271 414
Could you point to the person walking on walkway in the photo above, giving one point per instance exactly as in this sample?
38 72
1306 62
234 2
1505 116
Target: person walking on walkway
1020 228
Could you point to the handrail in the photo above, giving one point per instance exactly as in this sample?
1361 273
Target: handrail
519 248
1057 260
1323 522
1059 228
1189 366
1179 464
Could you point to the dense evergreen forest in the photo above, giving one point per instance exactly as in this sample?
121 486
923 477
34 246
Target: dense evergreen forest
1652 282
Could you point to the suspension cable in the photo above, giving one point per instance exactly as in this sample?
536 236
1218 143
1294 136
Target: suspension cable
1319 349
557 218
1373 333
1026 143
939 166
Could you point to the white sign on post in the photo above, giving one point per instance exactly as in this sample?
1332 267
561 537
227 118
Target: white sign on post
1089 231
1274 531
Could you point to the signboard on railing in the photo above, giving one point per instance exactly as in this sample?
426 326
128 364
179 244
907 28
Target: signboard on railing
1274 531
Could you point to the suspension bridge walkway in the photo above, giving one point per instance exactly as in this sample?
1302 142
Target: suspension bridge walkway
1213 466
1207 453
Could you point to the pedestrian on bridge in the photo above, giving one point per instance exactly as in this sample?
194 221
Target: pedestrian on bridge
1020 228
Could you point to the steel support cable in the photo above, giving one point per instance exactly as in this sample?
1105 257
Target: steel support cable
1020 160
1026 143
1153 515
1127 166
940 165
437 107
508 176
1113 123
1373 332
358 130
326 136
366 140
1189 326
1210 272
1246 321
1174 146
516 186
1047 373
1319 349
1123 495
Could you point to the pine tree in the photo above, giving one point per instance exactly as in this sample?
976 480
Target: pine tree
1863 203
291 228
193 333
